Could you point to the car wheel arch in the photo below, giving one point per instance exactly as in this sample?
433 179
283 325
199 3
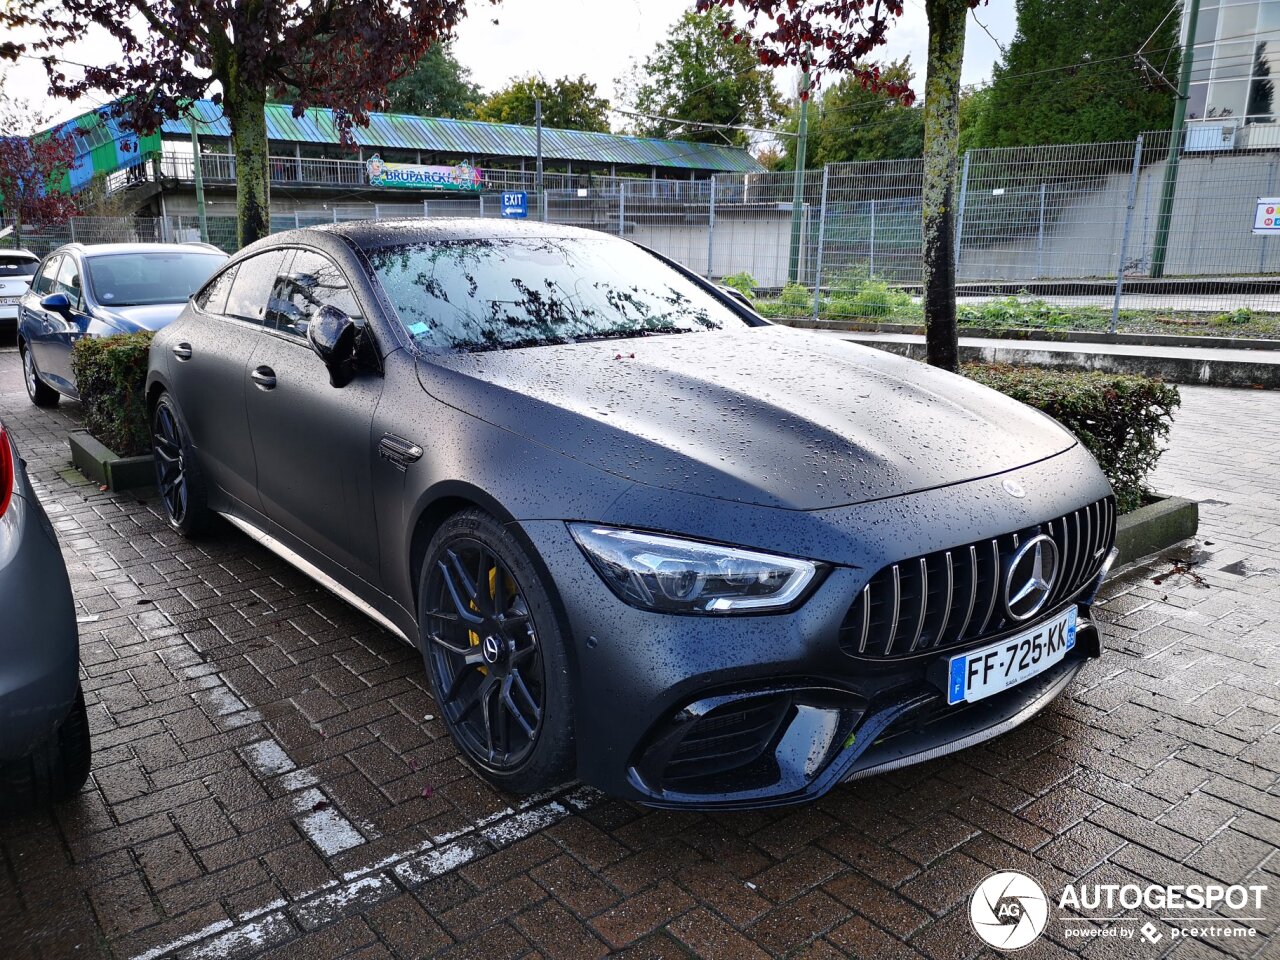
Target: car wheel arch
452 497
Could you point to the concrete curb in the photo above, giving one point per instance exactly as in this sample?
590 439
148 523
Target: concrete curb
1203 367
1051 336
1152 528
100 464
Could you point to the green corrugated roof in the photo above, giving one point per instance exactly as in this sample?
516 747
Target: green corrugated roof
476 138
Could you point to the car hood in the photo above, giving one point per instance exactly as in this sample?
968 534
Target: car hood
151 316
767 415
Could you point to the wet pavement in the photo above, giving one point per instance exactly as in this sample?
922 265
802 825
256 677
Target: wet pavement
269 777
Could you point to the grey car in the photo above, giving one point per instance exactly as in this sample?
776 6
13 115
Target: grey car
44 730
638 533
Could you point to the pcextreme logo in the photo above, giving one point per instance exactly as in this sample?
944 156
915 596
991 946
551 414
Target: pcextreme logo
1009 910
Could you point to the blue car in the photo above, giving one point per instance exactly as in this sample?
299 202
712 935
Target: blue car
96 290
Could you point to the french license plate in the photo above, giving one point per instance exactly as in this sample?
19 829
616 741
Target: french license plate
8 301
990 670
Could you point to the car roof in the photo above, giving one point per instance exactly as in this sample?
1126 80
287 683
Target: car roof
106 249
378 233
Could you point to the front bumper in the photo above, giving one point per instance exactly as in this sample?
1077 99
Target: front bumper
39 645
783 712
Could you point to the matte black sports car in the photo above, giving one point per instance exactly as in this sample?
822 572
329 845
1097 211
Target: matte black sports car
639 534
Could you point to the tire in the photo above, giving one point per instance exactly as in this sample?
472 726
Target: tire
55 770
518 649
41 394
178 477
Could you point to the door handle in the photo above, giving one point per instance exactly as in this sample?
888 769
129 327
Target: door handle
182 351
264 377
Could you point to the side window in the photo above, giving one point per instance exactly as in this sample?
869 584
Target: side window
44 282
312 281
251 289
213 298
68 281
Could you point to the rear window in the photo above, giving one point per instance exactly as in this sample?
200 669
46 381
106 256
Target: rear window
16 266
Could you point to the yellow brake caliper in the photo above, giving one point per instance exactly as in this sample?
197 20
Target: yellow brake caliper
510 589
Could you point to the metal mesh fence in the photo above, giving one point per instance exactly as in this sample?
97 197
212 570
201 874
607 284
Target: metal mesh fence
1076 237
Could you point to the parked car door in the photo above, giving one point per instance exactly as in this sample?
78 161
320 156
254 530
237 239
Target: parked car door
312 441
61 330
34 321
211 370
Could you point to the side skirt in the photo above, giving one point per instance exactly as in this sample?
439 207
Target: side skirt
315 573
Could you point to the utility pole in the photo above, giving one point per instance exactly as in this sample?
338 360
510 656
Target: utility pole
1165 216
797 196
537 181
198 172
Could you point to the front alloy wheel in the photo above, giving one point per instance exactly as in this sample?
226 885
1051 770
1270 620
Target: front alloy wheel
494 656
40 393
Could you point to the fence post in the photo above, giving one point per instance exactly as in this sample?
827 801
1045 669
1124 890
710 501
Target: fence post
296 224
424 210
622 208
1124 237
871 267
1271 187
377 214
71 222
964 190
822 239
1040 238
711 226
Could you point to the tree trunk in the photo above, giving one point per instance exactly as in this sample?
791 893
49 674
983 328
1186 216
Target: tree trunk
244 108
941 137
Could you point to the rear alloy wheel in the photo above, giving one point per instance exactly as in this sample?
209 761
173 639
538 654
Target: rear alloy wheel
178 476
40 393
495 655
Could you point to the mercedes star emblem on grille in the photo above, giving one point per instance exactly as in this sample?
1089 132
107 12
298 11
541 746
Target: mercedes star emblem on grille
1032 573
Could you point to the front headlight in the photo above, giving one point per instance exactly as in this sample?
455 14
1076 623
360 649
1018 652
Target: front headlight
673 575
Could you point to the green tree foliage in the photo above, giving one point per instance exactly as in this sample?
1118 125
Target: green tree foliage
849 121
1102 98
974 103
436 86
568 103
698 73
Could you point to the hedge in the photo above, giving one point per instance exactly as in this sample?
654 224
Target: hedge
1122 419
111 375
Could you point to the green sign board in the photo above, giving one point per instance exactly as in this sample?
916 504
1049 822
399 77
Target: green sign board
416 176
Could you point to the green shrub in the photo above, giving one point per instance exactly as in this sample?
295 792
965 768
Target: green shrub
873 299
1122 419
743 282
111 375
1239 317
793 301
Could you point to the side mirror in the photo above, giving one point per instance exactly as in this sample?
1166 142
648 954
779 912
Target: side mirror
332 335
57 303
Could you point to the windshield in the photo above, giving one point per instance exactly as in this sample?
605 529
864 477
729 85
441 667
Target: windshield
494 294
156 276
13 266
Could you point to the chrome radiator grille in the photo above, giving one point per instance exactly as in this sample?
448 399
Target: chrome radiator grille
953 596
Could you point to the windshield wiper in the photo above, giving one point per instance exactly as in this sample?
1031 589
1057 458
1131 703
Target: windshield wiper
627 334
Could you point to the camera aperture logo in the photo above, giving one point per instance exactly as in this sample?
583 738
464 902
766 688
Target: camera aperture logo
1009 910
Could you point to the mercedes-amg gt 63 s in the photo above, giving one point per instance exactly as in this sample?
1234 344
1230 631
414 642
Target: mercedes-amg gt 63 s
640 535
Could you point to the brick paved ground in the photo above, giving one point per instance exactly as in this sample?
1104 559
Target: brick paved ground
265 782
